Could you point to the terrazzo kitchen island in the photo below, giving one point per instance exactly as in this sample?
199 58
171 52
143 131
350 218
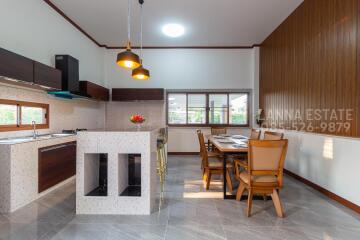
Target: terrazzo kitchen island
114 148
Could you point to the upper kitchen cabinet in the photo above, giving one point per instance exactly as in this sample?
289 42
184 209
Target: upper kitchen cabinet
137 94
95 91
19 70
15 67
46 76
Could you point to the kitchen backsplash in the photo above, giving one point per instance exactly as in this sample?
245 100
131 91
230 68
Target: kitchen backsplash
118 114
64 114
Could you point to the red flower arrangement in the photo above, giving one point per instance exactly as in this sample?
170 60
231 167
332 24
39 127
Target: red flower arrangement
137 118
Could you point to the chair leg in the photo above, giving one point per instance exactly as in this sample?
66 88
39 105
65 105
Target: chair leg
228 180
240 191
249 203
277 203
205 174
208 180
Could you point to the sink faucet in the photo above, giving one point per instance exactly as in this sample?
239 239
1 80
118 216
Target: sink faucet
33 123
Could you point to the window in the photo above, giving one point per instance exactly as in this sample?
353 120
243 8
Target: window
196 109
18 115
208 108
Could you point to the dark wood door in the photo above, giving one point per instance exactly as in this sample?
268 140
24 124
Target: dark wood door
47 76
56 164
15 66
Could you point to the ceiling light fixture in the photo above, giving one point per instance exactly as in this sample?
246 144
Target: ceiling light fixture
173 30
128 59
141 73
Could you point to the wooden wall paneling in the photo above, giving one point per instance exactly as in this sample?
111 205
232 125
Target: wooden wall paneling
310 62
357 122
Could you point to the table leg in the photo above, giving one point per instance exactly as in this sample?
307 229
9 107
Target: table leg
224 175
224 179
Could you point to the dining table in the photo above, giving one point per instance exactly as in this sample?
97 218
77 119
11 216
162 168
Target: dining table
228 145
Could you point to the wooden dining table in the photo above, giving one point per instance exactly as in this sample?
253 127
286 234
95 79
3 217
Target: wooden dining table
228 146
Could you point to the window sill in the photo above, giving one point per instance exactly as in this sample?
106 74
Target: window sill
22 128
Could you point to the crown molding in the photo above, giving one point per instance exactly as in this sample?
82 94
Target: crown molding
59 11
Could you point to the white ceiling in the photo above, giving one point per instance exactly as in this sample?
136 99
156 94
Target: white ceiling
207 22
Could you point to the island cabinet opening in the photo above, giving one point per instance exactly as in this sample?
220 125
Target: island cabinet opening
96 174
129 175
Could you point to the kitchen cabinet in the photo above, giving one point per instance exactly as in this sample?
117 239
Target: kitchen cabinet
15 67
137 94
95 91
18 70
56 163
46 76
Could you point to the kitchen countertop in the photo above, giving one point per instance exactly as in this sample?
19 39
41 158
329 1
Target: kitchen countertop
131 129
26 139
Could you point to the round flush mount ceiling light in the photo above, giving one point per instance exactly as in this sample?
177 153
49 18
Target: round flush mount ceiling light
173 30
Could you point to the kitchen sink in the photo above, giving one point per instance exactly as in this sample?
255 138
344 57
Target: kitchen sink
61 134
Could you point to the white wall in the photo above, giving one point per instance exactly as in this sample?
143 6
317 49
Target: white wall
187 69
33 29
328 161
182 69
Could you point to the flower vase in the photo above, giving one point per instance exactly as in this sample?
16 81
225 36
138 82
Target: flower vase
138 126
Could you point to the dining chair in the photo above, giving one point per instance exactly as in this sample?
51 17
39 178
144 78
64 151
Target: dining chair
241 160
273 135
218 130
213 167
210 154
265 172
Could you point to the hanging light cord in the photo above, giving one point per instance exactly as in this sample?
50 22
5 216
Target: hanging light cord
141 30
129 10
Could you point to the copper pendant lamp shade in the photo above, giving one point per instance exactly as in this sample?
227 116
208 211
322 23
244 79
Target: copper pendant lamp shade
128 59
141 73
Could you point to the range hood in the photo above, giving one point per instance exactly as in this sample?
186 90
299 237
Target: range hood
69 67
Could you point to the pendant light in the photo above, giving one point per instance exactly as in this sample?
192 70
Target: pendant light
141 73
128 59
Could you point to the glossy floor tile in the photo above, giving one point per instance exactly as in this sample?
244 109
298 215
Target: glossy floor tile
188 212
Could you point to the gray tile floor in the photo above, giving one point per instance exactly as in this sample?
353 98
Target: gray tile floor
189 212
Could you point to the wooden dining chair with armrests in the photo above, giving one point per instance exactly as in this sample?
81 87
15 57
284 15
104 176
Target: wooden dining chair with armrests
241 161
273 135
213 167
265 172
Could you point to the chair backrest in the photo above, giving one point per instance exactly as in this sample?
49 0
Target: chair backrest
267 157
255 134
218 130
198 131
164 133
203 151
273 135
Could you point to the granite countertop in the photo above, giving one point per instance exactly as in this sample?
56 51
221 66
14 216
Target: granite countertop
27 139
131 129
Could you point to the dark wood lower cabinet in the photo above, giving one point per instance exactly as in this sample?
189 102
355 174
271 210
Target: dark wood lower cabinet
56 164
